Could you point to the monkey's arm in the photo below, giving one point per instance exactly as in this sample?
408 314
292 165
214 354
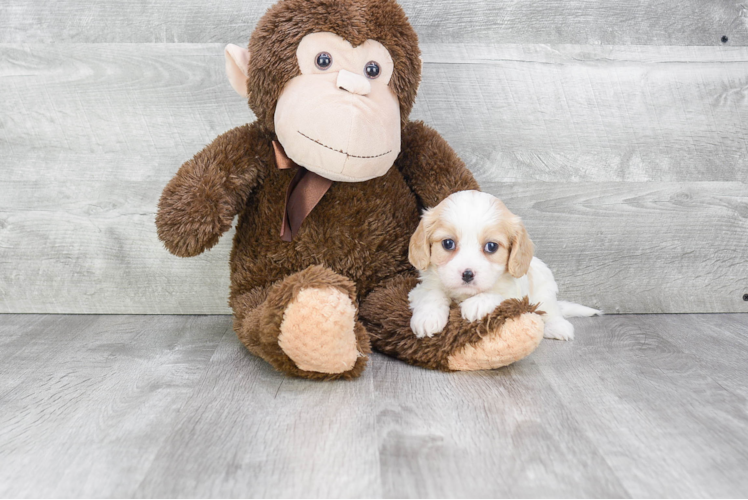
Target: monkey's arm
199 204
430 166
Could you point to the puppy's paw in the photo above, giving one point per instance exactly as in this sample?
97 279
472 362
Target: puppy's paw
427 321
559 329
479 306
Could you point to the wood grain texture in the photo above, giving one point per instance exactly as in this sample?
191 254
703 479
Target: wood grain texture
488 434
621 22
720 345
560 113
86 401
571 113
248 431
645 387
644 247
143 406
90 134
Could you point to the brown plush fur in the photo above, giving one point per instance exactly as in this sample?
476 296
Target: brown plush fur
357 237
386 313
200 202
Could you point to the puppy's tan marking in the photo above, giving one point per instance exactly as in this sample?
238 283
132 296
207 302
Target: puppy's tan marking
419 250
442 231
425 244
498 233
521 252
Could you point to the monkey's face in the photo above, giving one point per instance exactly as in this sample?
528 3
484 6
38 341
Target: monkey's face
339 118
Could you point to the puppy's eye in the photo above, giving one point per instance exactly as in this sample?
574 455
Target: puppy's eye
491 247
448 245
372 69
323 60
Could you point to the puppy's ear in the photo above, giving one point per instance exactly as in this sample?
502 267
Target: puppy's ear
521 252
237 68
419 252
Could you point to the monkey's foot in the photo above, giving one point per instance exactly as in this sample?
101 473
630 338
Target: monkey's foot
511 332
511 341
318 331
305 325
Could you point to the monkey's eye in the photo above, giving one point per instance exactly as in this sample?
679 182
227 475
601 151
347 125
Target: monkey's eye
491 247
323 60
372 70
448 245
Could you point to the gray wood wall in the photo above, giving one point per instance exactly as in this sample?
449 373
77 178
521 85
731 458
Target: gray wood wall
615 128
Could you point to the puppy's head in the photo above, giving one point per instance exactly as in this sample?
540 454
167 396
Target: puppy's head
471 239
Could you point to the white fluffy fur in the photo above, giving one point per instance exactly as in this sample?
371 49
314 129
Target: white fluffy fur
472 212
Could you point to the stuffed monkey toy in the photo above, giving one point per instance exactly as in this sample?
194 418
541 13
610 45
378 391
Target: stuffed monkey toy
328 184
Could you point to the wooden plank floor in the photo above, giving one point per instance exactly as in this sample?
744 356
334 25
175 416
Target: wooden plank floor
120 406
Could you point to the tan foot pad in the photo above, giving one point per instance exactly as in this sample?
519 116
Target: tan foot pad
517 338
508 334
317 331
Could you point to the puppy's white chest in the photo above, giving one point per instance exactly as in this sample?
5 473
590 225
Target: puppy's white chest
512 288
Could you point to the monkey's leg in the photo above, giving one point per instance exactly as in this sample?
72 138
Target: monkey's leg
305 325
507 335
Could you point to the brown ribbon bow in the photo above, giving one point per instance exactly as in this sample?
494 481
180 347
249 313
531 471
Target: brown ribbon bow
304 193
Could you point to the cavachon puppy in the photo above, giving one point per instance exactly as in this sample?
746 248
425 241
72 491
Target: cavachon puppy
471 249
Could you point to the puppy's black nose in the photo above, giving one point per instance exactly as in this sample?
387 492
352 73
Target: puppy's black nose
468 276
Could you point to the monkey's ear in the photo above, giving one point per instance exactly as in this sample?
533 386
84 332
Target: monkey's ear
237 68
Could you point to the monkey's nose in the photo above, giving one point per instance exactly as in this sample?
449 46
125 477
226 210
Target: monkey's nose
353 83
468 276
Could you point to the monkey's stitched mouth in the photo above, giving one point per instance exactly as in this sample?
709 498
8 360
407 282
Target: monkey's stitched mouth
341 151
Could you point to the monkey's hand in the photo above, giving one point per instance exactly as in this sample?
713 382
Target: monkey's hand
193 212
199 204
